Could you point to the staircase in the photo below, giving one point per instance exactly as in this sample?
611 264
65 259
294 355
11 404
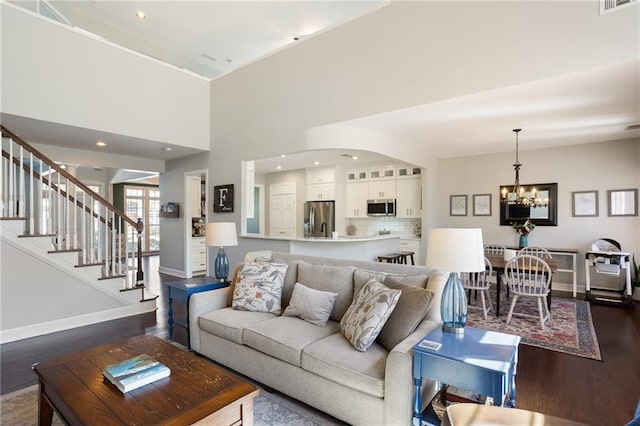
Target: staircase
49 219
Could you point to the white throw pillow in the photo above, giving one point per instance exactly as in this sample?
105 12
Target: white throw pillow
368 313
258 287
311 305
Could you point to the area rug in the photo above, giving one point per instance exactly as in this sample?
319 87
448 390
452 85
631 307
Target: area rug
570 330
20 408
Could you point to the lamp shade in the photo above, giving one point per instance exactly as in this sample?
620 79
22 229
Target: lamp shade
222 234
455 249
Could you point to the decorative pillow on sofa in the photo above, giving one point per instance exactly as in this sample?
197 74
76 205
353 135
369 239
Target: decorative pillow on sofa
311 305
412 306
258 287
368 313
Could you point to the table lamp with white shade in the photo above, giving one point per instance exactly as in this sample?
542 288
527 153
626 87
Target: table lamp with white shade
455 250
221 234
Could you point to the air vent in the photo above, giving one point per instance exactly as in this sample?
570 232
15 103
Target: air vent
607 6
633 127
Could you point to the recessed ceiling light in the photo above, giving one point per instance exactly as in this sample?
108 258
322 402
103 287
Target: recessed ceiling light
279 167
355 157
140 14
283 155
101 144
316 162
167 148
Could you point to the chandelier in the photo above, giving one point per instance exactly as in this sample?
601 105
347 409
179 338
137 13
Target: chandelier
519 195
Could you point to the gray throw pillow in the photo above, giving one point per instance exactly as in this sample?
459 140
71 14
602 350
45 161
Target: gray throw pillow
413 305
311 305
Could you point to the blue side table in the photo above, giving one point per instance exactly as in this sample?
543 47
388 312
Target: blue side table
479 360
181 291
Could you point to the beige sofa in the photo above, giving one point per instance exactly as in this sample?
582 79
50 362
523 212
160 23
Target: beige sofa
314 364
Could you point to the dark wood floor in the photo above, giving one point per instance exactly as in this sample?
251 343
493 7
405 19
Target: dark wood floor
592 392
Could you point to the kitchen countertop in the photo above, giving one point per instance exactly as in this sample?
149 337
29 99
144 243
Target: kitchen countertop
340 239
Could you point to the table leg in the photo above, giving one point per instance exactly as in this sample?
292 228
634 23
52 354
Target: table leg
498 287
417 404
549 294
170 321
45 410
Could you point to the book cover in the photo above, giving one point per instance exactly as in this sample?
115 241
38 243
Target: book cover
129 366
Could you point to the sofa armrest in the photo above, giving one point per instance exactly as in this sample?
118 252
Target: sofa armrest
398 379
200 304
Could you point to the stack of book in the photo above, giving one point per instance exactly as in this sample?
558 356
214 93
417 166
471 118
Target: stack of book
134 372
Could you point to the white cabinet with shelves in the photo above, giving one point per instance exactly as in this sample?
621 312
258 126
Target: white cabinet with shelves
356 205
320 175
382 189
321 191
409 198
404 172
198 254
357 175
384 172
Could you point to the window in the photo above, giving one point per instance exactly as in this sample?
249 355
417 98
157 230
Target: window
144 202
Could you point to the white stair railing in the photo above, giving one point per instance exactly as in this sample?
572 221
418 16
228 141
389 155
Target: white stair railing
55 204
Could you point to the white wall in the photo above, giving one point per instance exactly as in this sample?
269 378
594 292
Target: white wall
54 73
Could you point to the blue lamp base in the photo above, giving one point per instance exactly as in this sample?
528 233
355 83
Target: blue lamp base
221 265
453 307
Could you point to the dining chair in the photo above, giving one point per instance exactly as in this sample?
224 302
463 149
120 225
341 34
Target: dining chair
535 251
494 249
529 276
479 281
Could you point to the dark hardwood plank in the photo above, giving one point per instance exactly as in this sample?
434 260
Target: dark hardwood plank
589 391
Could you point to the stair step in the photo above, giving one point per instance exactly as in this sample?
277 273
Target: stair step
35 235
111 277
89 264
64 251
12 218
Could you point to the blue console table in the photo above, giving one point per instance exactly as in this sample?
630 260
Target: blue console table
181 291
479 360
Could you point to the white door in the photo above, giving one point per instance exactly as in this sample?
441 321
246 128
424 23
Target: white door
282 215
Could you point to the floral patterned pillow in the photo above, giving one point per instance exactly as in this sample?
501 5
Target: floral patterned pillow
368 313
259 287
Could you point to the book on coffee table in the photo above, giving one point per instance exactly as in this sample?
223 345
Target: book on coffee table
135 372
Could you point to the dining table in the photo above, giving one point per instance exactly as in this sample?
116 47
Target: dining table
498 263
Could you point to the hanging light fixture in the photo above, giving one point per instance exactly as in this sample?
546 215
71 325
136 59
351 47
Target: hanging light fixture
518 194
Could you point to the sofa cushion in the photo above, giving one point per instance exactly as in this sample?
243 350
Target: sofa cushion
311 305
287 288
436 283
335 359
285 337
229 323
336 279
368 313
412 306
394 281
258 287
362 276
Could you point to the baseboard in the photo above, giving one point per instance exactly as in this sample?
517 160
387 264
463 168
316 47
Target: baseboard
170 271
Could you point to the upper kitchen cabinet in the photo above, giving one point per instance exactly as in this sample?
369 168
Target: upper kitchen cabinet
410 172
357 175
382 173
382 189
409 198
320 175
356 199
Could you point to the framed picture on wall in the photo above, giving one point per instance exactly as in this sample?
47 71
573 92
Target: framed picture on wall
458 205
623 202
584 203
223 199
482 204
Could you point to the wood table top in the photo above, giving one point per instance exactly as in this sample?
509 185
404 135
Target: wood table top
196 388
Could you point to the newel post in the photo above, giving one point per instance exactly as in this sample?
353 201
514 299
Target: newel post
140 273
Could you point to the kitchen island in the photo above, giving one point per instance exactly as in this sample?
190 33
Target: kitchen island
343 247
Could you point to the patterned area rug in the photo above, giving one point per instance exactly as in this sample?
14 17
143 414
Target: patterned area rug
20 408
570 330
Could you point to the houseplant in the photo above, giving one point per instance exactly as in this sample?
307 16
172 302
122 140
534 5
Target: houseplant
523 229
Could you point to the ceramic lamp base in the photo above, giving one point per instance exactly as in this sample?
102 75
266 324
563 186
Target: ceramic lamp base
453 328
221 265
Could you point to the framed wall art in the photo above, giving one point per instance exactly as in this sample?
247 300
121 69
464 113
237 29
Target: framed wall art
584 203
482 204
223 199
458 205
623 202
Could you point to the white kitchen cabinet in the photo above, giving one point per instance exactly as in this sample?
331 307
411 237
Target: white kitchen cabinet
321 191
404 172
198 254
409 198
382 173
407 244
382 189
356 194
282 215
357 175
320 175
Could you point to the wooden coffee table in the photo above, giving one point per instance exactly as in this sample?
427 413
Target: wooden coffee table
195 392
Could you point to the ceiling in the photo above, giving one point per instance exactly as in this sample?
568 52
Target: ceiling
211 38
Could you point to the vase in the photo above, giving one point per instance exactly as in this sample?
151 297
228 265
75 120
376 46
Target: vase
523 241
453 307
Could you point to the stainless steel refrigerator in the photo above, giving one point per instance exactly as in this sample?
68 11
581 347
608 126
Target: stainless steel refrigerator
319 218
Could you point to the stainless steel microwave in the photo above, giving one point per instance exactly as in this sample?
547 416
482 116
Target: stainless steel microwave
381 207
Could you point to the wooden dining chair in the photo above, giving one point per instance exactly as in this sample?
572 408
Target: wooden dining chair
494 249
529 276
535 251
479 281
